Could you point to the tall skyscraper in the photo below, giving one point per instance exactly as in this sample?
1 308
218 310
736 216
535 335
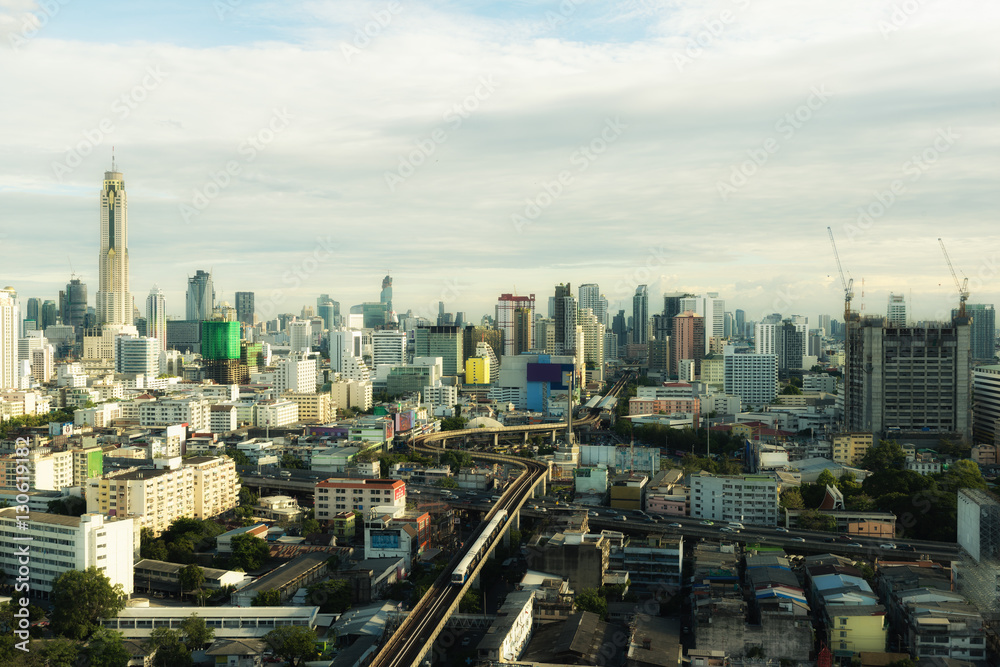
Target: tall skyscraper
565 319
245 307
688 339
33 312
640 315
620 329
385 296
50 314
200 297
156 317
73 303
506 320
114 302
741 322
10 323
984 330
896 312
713 309
590 297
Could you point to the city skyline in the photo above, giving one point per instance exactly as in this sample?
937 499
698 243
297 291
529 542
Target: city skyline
514 99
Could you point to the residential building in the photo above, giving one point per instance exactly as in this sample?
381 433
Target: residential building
909 379
751 499
88 462
388 349
114 302
245 307
752 377
314 408
296 373
510 631
652 563
688 338
60 543
276 413
137 356
582 558
156 318
195 412
223 418
10 324
850 448
333 496
46 470
986 408
564 309
355 394
515 318
216 485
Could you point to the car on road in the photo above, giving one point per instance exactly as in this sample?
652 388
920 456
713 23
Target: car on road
887 545
727 529
830 539
674 525
593 514
622 518
780 529
706 522
798 539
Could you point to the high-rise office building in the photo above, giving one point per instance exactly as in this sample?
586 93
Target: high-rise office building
137 356
984 332
300 336
713 309
914 379
590 297
10 324
114 302
825 325
73 304
688 339
445 342
329 310
565 319
33 312
345 344
896 313
741 322
507 320
388 349
50 314
220 351
640 315
593 342
620 328
385 296
156 317
200 297
245 307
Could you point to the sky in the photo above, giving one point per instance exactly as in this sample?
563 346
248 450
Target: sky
471 149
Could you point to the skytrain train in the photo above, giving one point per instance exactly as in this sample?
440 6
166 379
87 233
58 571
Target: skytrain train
478 548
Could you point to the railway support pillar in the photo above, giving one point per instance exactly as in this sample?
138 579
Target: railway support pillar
496 440
525 437
552 437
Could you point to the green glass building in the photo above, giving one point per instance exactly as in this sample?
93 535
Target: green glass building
220 340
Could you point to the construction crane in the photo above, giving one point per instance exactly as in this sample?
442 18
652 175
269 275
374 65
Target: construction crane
963 288
848 284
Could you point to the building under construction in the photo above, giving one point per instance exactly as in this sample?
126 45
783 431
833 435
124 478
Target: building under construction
908 381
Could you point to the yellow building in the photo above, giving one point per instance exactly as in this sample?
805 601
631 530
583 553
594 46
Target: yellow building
314 408
713 370
627 492
850 448
477 370
852 630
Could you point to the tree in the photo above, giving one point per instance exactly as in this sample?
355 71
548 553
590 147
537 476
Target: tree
106 649
792 499
964 474
295 644
814 520
332 596
791 390
447 483
68 506
470 603
197 635
268 598
249 552
310 526
590 599
826 478
81 599
60 652
170 650
885 455
191 578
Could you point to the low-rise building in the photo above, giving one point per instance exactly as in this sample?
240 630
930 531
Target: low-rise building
58 543
581 558
227 622
850 448
283 509
160 576
628 491
287 579
745 498
510 631
652 564
333 496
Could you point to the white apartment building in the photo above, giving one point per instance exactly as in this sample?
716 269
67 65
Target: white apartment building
314 408
752 377
750 499
442 395
10 323
42 362
344 343
46 471
156 497
276 413
195 412
222 418
351 394
296 374
300 335
60 543
71 375
333 496
388 349
216 485
765 338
